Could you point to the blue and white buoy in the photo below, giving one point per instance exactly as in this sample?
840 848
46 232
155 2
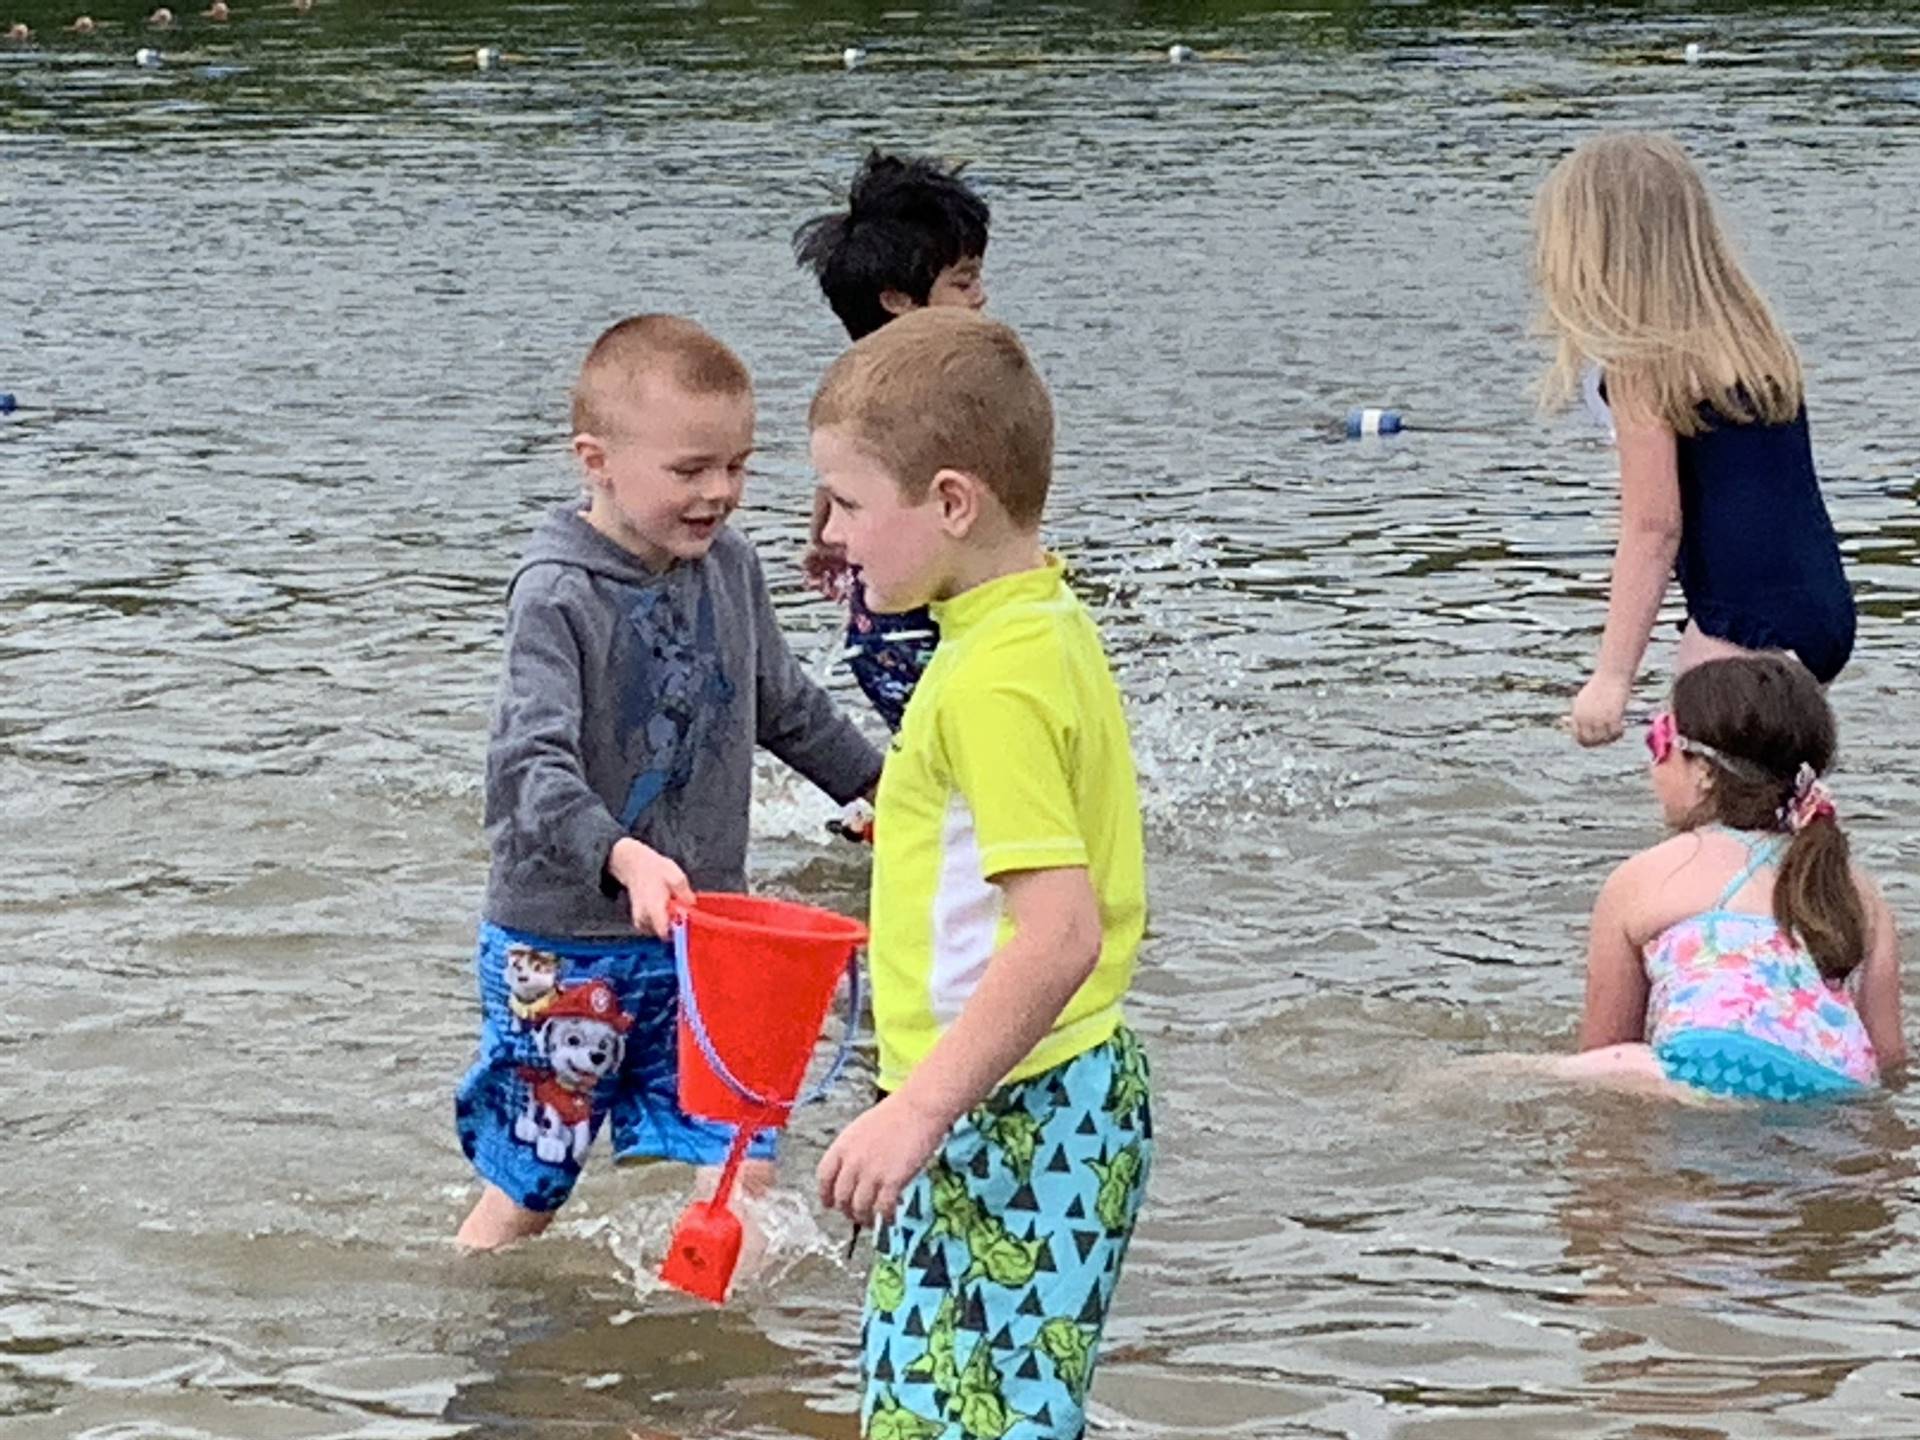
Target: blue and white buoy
147 58
487 57
7 403
853 57
1364 421
1179 54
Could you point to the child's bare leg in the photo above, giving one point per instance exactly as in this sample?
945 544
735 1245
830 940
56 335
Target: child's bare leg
1697 647
1629 1067
495 1221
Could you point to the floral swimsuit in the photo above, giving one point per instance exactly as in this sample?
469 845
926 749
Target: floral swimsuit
1739 1008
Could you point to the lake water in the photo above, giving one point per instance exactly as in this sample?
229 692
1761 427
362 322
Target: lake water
291 322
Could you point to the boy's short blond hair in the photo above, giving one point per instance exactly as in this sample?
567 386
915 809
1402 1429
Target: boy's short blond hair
626 353
946 389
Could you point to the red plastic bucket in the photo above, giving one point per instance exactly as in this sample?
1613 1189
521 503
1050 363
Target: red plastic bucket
757 976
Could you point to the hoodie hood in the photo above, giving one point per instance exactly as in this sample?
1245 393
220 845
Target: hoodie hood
565 538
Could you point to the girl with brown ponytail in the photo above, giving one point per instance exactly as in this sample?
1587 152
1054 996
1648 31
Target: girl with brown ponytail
1744 956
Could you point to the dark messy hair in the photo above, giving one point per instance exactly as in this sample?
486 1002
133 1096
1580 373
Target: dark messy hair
1767 715
906 220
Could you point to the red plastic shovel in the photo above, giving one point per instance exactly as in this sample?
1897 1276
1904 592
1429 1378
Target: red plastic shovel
705 1248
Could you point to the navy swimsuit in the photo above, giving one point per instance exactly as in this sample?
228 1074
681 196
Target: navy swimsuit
1759 562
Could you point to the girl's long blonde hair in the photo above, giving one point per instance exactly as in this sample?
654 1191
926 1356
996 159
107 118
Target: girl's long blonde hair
1637 276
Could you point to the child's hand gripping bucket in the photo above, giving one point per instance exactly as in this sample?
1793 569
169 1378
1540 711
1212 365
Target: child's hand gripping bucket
756 978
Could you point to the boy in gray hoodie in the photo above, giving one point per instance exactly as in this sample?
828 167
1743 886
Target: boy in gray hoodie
643 666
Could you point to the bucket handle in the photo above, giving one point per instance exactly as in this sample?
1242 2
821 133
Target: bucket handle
690 1011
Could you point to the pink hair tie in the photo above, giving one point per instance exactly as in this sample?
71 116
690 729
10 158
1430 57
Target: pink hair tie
1811 801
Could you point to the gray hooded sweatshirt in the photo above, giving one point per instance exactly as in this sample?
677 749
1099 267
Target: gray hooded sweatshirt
631 704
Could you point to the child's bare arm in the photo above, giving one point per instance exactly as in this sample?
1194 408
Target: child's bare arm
1054 948
1642 566
1615 1012
1878 994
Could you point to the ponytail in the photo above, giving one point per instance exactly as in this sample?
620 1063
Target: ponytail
1816 901
1767 718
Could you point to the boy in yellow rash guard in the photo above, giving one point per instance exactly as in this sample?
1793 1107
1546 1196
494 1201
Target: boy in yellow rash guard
1010 1152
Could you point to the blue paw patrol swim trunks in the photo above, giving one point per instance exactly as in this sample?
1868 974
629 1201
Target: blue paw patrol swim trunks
574 1033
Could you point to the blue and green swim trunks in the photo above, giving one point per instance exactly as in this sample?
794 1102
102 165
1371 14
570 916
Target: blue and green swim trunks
991 1284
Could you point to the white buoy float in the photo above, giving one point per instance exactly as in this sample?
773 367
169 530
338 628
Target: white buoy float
1693 54
1179 54
853 57
147 58
487 57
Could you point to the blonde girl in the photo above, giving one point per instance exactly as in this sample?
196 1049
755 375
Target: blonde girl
1717 483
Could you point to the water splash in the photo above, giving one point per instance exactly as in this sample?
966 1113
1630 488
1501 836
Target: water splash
637 1237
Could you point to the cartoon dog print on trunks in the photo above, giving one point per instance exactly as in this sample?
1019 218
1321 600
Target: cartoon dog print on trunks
582 1038
533 982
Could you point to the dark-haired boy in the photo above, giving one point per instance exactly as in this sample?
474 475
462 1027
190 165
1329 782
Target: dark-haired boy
912 236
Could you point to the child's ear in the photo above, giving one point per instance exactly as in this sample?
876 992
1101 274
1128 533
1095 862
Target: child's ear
897 302
960 497
591 452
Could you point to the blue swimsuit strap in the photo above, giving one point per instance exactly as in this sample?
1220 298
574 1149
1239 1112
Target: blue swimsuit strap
1763 849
